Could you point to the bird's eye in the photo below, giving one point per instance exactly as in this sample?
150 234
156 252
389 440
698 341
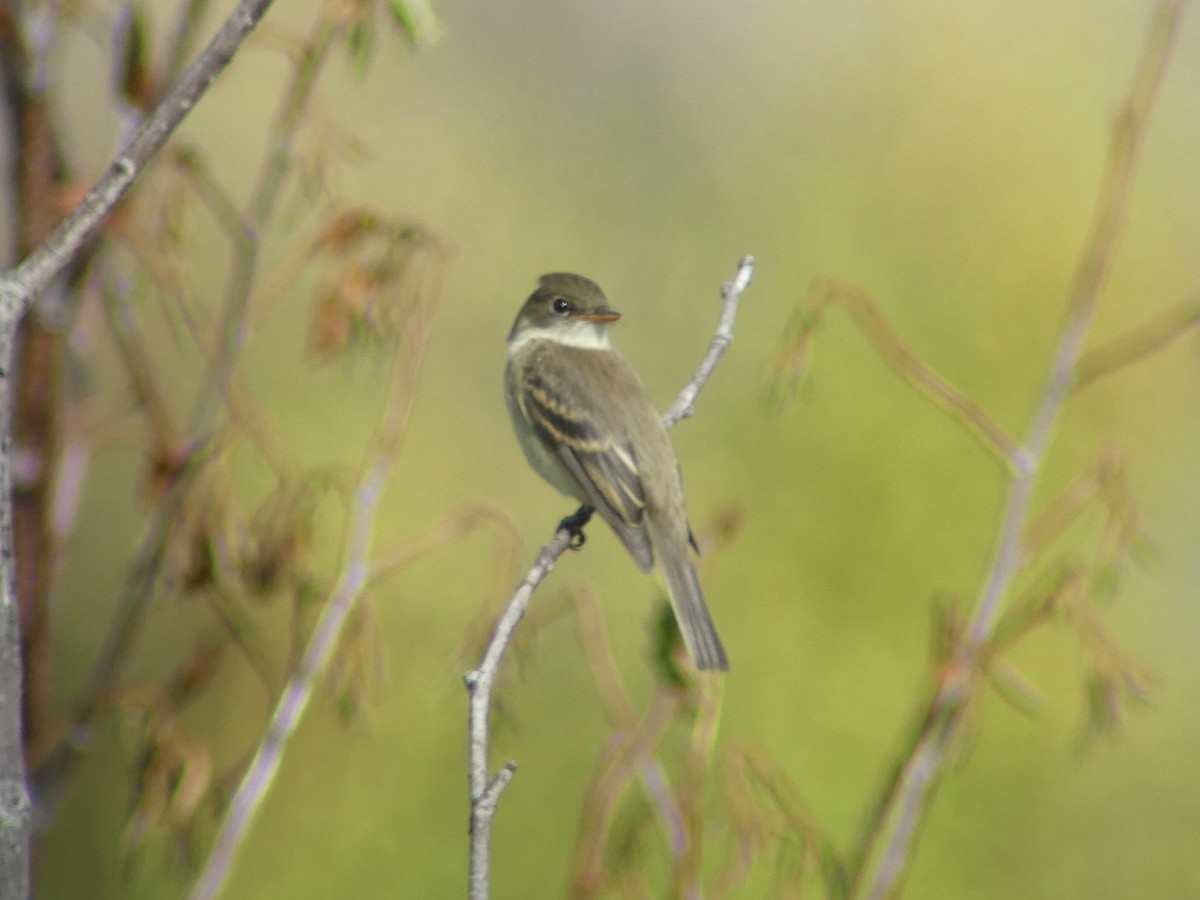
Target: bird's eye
561 306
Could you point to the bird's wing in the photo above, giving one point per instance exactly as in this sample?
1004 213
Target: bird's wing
605 466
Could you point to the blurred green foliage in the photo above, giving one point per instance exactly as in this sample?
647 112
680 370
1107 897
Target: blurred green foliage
943 155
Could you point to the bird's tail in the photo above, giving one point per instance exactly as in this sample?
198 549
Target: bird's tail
687 600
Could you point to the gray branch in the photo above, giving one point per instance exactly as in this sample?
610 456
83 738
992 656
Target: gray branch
18 288
485 791
260 774
927 761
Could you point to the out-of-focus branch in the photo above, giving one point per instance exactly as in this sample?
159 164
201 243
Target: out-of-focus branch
357 571
146 568
263 203
864 312
484 790
630 753
464 520
686 875
224 354
914 779
18 287
187 21
35 168
1089 282
144 381
1137 343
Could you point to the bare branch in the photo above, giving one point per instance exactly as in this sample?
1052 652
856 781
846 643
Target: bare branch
262 205
1089 283
731 296
146 568
923 766
291 706
357 572
1137 343
481 681
865 314
19 286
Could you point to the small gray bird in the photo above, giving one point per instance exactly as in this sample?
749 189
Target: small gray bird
588 427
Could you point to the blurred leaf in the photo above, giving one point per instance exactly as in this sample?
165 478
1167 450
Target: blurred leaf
1039 603
417 21
360 41
282 534
792 362
1104 582
1014 689
195 673
132 57
346 230
1103 704
723 529
357 670
666 647
1125 514
771 819
206 531
172 774
247 635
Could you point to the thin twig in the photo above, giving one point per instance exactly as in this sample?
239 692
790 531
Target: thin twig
18 287
146 568
685 875
630 752
924 766
731 294
182 35
481 681
1085 291
356 575
864 312
1136 344
268 192
290 708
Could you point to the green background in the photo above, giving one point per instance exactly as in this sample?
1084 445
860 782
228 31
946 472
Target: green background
943 155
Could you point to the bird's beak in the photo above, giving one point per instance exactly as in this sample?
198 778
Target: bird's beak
601 316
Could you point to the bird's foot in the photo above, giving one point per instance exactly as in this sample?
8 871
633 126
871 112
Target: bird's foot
574 524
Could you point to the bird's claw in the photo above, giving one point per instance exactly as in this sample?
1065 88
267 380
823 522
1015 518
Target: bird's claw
573 525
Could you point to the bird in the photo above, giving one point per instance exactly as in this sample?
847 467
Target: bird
587 425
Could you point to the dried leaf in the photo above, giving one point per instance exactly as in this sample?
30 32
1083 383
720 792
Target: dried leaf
357 670
346 230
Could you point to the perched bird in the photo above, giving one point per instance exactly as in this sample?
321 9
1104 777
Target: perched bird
587 425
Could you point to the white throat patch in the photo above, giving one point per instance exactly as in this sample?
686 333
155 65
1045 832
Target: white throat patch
584 335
